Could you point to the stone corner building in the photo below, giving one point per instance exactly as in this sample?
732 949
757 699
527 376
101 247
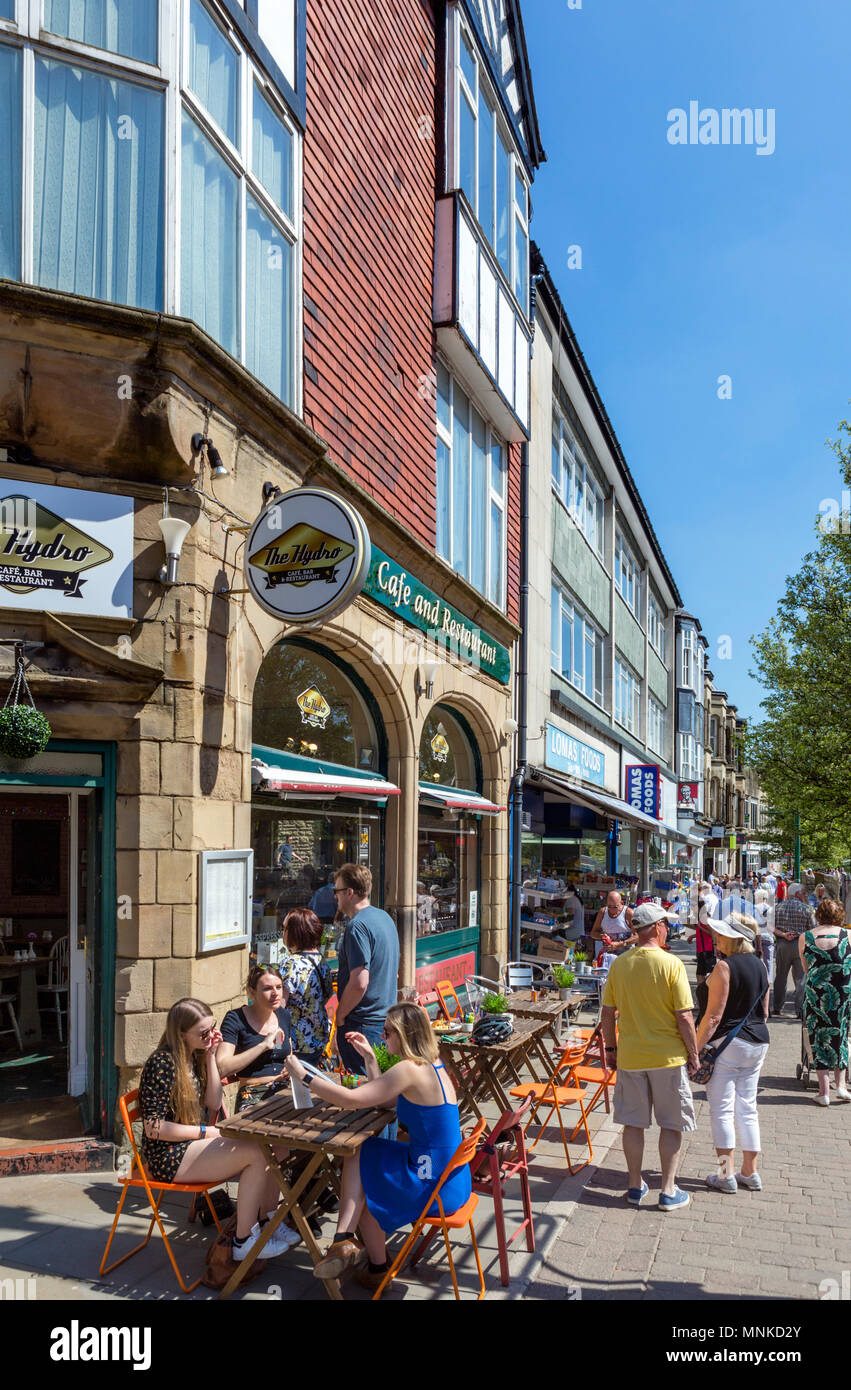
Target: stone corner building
219 271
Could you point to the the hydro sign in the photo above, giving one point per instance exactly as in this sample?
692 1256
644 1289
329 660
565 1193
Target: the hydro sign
570 755
307 556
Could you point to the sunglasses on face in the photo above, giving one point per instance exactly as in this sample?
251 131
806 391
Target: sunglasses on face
205 1033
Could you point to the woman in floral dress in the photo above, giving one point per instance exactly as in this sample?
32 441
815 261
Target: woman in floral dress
826 957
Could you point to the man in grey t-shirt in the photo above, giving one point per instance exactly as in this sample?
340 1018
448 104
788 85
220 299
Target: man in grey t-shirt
367 979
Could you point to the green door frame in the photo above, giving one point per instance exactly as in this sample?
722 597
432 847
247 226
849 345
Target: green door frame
106 1070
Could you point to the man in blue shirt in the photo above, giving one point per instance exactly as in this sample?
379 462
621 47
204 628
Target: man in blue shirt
367 979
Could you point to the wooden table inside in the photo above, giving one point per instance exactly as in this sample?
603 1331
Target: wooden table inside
547 1007
29 1019
484 1072
327 1134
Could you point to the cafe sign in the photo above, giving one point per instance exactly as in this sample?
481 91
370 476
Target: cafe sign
307 556
65 550
447 629
315 709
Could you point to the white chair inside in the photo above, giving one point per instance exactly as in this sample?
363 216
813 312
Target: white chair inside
521 974
57 982
8 1001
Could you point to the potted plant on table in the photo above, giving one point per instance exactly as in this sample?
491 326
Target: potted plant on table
580 960
564 978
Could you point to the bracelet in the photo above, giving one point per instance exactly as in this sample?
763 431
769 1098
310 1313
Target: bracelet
203 1134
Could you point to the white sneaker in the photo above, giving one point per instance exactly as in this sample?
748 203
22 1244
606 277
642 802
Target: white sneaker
821 1100
282 1241
753 1183
719 1184
842 1094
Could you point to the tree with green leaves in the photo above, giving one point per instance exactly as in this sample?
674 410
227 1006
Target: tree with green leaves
802 747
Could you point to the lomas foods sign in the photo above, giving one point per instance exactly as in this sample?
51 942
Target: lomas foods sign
449 630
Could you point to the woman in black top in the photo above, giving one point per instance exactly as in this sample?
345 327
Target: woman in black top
256 1038
738 995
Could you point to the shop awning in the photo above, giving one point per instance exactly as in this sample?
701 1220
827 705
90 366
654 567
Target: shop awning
598 801
452 798
289 775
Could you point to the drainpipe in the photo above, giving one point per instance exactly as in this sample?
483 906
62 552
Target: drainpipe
519 778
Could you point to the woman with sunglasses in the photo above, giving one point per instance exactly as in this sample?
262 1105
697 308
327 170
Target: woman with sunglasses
256 1038
179 1082
387 1183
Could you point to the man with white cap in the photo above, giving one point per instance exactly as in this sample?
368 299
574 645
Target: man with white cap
648 993
791 917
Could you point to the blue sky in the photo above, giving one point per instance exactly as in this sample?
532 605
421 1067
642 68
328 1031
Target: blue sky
702 261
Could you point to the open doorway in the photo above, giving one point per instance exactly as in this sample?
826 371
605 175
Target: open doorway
49 964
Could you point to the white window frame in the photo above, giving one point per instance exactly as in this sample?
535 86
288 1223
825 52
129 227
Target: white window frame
689 658
170 77
492 439
573 468
627 575
570 609
689 763
458 84
656 626
627 711
655 726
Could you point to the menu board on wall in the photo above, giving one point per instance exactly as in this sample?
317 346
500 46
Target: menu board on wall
224 906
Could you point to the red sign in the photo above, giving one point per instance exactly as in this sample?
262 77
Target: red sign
456 969
687 794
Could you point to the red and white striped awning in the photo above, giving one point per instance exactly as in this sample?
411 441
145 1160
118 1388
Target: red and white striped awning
452 799
319 784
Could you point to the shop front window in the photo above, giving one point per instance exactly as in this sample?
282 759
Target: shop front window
305 705
447 874
446 756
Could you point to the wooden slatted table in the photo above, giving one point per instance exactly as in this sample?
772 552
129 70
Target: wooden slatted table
328 1134
547 1007
482 1073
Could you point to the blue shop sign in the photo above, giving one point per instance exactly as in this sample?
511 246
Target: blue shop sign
643 789
568 754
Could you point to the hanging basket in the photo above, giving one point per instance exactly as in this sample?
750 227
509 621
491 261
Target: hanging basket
24 730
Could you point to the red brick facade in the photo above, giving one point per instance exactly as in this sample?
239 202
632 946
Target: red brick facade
371 161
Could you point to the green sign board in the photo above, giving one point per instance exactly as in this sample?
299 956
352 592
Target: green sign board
447 629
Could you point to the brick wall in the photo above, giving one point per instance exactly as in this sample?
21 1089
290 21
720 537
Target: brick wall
369 195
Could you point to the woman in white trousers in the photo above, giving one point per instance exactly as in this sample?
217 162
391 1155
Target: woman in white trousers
738 998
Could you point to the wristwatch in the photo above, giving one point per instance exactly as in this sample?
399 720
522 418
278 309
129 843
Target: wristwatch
203 1134
306 1080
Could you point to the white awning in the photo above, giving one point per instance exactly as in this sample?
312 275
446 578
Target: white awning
318 784
451 798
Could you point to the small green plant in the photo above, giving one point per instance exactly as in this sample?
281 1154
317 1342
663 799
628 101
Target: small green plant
580 957
24 732
563 977
385 1059
495 1003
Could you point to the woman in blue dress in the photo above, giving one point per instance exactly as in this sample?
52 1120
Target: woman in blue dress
387 1183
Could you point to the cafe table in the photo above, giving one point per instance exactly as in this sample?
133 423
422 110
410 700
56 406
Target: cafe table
548 1007
26 1007
328 1135
487 1072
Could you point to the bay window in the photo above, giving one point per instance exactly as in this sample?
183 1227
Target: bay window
577 647
689 662
627 697
205 225
627 575
690 769
577 486
488 170
656 626
471 480
655 726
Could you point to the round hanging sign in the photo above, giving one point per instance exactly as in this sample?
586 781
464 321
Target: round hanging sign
307 556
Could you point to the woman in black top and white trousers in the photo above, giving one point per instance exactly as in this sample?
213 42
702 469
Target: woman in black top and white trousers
738 990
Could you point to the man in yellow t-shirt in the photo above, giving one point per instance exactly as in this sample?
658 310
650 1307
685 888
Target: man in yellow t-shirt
648 993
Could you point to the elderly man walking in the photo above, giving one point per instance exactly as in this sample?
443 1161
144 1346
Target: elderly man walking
648 993
791 917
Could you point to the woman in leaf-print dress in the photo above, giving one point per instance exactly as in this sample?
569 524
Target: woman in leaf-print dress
826 957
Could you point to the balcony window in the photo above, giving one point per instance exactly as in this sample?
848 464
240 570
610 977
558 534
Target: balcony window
471 478
98 187
128 27
87 213
577 647
488 170
577 486
627 697
627 575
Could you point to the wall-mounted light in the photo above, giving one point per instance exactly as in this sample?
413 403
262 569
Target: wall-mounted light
426 690
214 458
509 729
174 533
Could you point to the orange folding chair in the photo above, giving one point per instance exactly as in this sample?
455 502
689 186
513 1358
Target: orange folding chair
455 1221
556 1092
138 1177
450 1005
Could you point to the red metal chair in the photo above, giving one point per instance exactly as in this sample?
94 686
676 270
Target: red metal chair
129 1107
502 1157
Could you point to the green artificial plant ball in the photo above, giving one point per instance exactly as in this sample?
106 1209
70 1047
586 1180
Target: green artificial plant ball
24 732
